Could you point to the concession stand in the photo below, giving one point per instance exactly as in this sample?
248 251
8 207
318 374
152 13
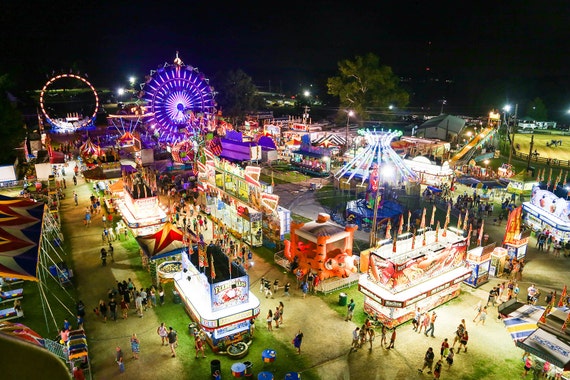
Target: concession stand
217 296
424 271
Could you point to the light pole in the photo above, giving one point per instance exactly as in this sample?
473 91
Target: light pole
348 116
510 129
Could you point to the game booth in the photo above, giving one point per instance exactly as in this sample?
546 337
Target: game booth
139 205
216 294
546 211
422 271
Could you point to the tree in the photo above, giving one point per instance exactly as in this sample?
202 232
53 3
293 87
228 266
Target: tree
238 95
537 110
364 83
12 130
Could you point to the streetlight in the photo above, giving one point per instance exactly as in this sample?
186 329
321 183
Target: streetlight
132 81
348 116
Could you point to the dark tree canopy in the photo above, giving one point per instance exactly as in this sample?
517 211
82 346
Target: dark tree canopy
12 130
364 83
237 95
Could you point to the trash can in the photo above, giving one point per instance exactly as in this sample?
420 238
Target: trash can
216 369
176 297
342 299
248 369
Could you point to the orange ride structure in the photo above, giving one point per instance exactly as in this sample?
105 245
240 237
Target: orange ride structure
322 247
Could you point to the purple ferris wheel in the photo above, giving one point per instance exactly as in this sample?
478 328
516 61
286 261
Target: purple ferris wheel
179 99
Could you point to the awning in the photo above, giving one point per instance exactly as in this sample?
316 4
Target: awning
522 322
548 347
434 189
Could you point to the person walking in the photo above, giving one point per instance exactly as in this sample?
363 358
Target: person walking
431 325
298 340
163 334
450 356
482 316
103 310
135 346
350 310
75 198
172 340
281 307
428 361
383 334
119 359
437 369
286 289
444 348
113 309
111 252
355 339
392 339
124 307
371 336
463 342
269 320
199 346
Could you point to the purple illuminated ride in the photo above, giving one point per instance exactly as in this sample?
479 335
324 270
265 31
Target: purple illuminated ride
179 101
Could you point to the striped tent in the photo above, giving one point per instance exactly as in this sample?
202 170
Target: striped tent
329 141
523 321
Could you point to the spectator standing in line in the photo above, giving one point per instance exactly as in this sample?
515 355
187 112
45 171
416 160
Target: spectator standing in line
350 310
172 341
428 361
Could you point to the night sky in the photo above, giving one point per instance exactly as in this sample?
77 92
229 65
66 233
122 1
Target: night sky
509 51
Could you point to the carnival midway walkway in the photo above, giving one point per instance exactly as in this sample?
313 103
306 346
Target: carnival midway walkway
327 336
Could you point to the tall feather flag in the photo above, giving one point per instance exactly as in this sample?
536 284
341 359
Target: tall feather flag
424 233
566 322
562 296
513 225
401 226
480 238
212 269
432 221
388 230
394 240
413 239
444 233
409 220
465 221
423 222
549 182
558 179
547 311
459 221
437 232
469 235
565 178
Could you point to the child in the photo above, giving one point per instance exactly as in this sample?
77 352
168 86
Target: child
437 369
449 358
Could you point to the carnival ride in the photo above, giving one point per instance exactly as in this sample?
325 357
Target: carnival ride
179 101
67 108
378 153
462 155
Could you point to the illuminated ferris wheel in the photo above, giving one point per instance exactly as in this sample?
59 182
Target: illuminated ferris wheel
177 96
69 102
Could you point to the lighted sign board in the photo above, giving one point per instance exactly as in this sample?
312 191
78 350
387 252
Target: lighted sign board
230 293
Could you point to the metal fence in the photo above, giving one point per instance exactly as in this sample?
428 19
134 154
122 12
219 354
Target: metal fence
336 283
